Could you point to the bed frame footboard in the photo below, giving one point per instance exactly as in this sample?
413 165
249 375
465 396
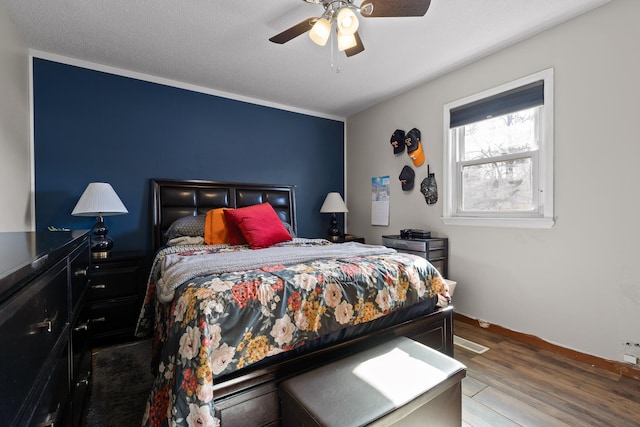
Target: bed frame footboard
251 399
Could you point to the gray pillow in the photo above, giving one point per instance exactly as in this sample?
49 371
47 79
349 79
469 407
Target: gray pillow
190 226
289 228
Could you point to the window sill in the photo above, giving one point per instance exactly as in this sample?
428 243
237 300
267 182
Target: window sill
542 223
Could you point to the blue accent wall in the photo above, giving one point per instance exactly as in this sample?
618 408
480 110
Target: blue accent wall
95 126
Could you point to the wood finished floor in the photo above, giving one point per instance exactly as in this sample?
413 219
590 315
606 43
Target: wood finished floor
515 384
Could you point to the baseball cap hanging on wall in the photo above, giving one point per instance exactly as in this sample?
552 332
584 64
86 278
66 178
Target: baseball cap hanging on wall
429 188
407 176
397 141
414 147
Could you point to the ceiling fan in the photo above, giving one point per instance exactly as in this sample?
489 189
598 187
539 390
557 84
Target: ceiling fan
342 13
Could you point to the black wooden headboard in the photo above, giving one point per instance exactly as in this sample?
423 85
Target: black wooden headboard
173 199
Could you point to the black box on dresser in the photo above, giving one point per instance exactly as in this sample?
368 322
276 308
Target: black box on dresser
45 362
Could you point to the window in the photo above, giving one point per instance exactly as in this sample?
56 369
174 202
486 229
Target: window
498 161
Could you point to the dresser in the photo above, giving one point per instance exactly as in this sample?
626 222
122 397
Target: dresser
45 359
435 250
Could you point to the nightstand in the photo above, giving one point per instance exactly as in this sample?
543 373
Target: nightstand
115 295
345 238
435 250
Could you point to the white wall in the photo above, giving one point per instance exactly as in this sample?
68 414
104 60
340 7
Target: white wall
577 284
15 145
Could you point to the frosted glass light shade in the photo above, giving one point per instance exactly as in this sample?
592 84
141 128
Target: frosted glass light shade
346 41
320 31
347 21
99 198
333 203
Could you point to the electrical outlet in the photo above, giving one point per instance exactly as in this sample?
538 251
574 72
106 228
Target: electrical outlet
483 323
631 352
632 349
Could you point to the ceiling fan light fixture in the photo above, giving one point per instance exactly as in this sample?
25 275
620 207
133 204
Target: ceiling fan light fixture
346 41
343 13
366 9
347 21
320 32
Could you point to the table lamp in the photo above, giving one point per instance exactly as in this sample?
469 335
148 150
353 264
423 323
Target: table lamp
333 204
99 199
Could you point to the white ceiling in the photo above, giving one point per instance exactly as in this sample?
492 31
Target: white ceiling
223 46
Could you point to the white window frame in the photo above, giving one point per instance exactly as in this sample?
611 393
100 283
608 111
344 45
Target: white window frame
542 217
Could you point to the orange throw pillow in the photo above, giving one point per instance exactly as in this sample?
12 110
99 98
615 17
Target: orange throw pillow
215 227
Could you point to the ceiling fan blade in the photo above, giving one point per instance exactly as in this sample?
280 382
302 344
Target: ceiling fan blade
293 32
394 8
359 47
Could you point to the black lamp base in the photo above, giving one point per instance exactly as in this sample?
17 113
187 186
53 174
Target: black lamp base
334 231
101 244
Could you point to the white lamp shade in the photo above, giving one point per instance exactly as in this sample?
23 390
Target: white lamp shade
346 41
99 198
320 31
333 203
347 21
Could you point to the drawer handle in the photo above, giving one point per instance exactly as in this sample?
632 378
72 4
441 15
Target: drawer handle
46 324
51 418
99 319
82 327
98 286
83 272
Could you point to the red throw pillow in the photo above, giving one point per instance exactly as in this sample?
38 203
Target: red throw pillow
260 226
233 229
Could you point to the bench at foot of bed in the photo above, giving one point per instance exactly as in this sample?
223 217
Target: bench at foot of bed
400 382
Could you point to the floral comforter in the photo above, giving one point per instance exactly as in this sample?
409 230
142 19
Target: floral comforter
222 322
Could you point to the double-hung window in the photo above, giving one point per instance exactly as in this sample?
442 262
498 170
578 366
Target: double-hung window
498 157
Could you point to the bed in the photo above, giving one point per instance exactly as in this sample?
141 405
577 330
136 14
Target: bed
230 322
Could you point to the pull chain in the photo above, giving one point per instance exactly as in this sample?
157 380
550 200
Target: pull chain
334 54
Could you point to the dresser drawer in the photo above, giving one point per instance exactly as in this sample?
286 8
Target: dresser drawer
79 390
52 404
31 323
114 281
436 253
80 342
433 244
79 262
415 244
114 316
404 244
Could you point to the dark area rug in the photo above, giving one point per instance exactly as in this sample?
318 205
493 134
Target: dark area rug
120 385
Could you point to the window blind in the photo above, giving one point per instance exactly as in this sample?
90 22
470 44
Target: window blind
523 97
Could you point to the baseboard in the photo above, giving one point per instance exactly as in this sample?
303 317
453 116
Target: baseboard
620 368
